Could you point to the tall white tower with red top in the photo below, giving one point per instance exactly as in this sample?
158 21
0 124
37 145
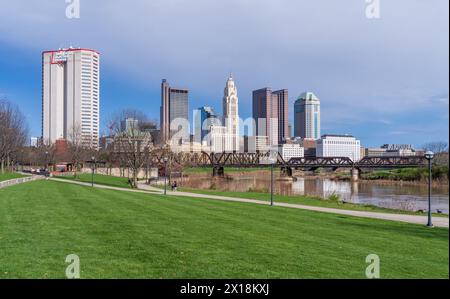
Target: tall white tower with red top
71 96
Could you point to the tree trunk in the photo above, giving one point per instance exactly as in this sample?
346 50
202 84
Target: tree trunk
134 178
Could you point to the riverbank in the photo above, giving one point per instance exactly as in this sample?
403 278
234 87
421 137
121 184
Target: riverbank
193 170
402 176
332 202
411 176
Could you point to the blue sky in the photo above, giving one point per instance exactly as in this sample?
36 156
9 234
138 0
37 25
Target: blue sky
384 80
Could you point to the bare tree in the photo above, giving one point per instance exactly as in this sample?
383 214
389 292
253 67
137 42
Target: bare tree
46 154
107 155
13 133
436 147
440 149
76 148
131 143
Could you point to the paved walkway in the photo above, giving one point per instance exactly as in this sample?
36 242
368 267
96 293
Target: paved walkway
143 188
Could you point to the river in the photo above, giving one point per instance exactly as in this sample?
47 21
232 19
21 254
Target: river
394 195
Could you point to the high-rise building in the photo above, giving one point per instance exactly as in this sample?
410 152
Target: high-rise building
289 151
270 112
281 98
129 124
34 141
204 118
217 139
231 114
307 116
174 107
253 144
339 146
71 95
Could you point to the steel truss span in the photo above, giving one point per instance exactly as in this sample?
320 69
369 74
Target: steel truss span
203 159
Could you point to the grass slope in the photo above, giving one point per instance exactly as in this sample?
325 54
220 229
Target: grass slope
99 179
130 235
9 176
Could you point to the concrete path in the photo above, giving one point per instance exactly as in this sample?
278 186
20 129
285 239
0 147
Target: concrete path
143 188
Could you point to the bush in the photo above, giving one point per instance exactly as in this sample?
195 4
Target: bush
440 172
260 190
335 197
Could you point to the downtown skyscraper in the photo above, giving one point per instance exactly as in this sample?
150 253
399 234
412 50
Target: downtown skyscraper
71 96
174 112
231 114
270 112
307 116
204 118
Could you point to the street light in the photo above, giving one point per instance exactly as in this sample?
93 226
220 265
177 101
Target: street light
46 161
93 169
165 175
272 161
429 156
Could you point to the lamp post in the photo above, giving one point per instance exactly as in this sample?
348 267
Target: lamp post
93 169
272 163
429 156
165 175
46 161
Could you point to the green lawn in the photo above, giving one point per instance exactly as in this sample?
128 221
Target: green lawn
132 235
99 179
9 176
305 200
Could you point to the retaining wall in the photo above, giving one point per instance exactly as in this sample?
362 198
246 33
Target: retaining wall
13 182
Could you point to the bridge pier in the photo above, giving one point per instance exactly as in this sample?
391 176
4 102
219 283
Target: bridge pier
355 172
218 171
286 172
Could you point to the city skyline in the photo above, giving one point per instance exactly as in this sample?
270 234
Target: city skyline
404 90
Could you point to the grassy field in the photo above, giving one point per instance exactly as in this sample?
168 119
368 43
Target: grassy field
9 176
132 235
99 179
306 200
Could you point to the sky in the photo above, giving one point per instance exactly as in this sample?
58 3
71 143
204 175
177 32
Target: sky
384 80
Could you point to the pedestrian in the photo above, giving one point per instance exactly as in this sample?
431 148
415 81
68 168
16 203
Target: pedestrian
174 186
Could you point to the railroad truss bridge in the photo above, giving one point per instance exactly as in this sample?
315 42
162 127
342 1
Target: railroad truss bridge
219 161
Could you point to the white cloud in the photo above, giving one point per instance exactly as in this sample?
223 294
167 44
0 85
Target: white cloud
386 65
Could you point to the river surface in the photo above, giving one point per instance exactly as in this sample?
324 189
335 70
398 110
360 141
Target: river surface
393 195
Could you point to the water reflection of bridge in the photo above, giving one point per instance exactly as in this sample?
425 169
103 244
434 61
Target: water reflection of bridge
218 161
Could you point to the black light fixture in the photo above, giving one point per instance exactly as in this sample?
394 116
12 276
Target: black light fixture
165 175
93 169
429 155
272 161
